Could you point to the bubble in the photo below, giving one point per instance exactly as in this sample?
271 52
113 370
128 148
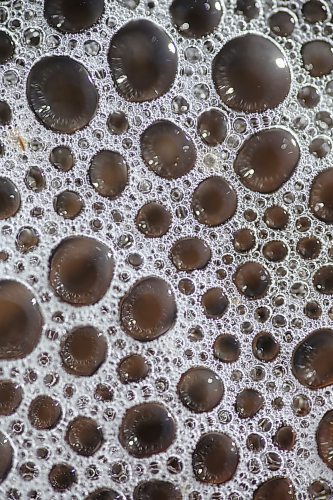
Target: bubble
248 403
252 280
215 458
108 174
189 254
212 127
117 123
133 368
200 389
104 494
61 94
61 157
62 477
275 251
147 429
163 490
44 413
141 70
10 397
83 351
250 9
317 58
243 240
308 97
68 204
10 199
324 438
7 47
301 405
103 393
214 201
315 11
285 438
282 23
241 79
81 270
320 200
275 489
265 347
167 150
276 217
267 160
148 310
323 280
320 147
309 247
319 490
196 18
215 303
312 310
84 436
6 457
27 239
153 220
255 442
73 16
226 348
5 113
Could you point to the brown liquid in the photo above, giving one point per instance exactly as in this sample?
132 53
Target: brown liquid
21 322
133 368
314 11
189 254
279 488
156 490
68 204
147 429
248 403
317 57
244 240
117 123
276 217
5 113
62 477
212 127
252 280
285 438
309 247
215 458
324 438
321 201
104 494
7 47
81 270
167 150
10 397
153 220
61 94
35 179
84 436
62 158
6 457
312 310
108 174
214 303
323 280
83 351
265 347
142 70
200 389
196 18
275 251
73 16
249 8
282 23
27 239
308 97
251 74
214 201
148 310
226 348
10 199
312 359
44 412
267 160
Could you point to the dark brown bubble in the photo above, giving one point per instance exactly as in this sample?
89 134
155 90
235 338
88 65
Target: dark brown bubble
303 224
312 359
248 8
285 438
265 347
196 18
148 310
252 280
276 217
267 160
226 348
213 127
320 147
214 201
147 429
21 322
7 47
73 16
108 174
117 123
317 57
255 442
133 368
214 303
308 97
10 199
68 204
62 477
167 150
103 393
27 239
279 488
35 179
83 351
314 11
282 23
312 310
61 157
215 458
243 240
81 270
323 280
319 490
156 490
301 405
61 94
104 494
309 247
44 412
10 397
324 439
275 251
5 113
142 70
248 403
186 286
84 436
153 220
251 74
200 389
321 201
6 457
189 254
